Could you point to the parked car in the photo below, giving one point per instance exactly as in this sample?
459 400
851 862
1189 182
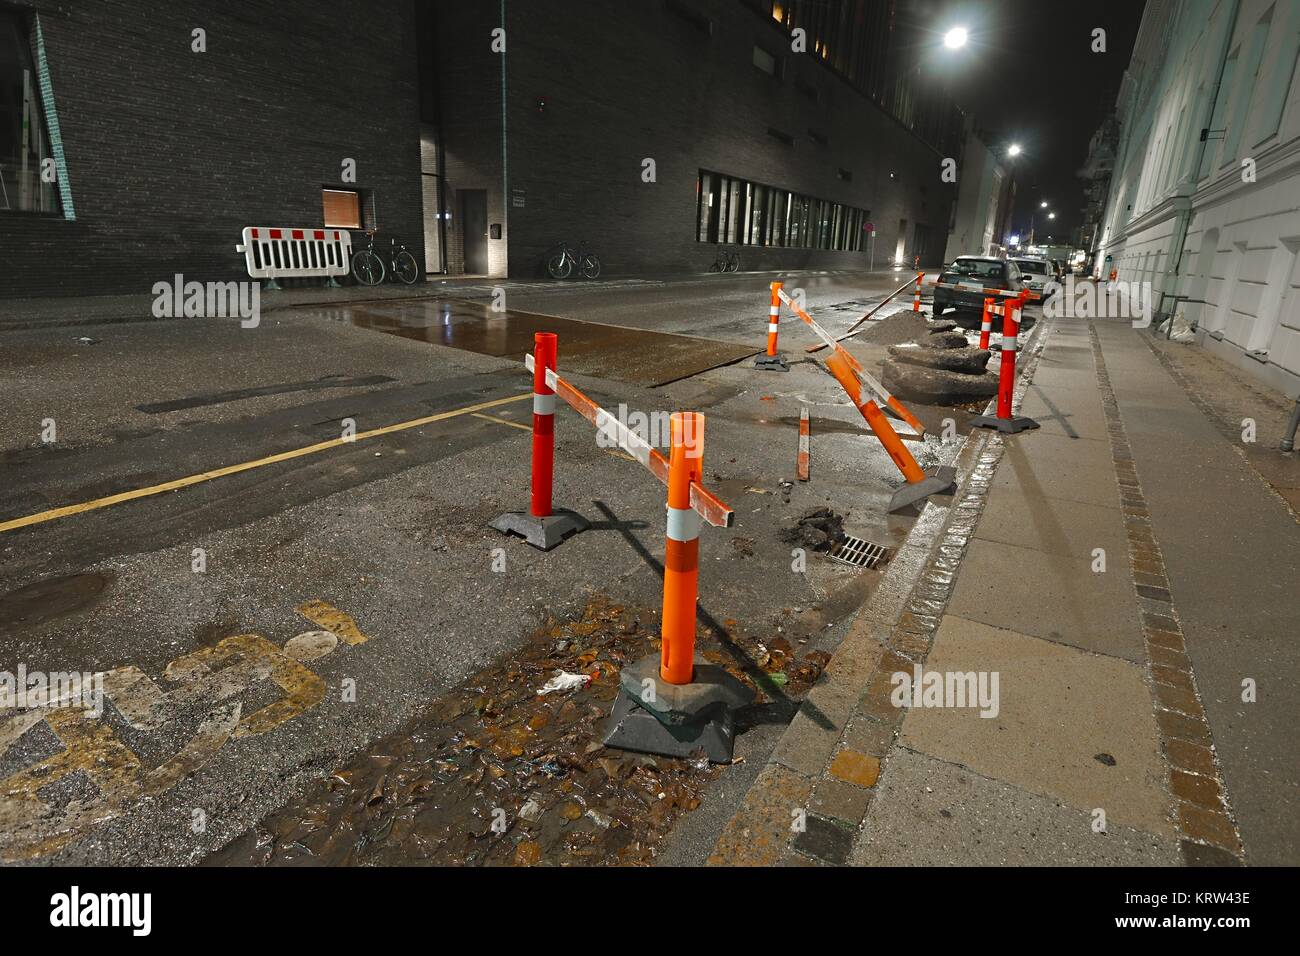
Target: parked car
1038 273
968 280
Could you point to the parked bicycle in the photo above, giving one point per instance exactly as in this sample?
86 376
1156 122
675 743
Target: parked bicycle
564 259
369 269
726 262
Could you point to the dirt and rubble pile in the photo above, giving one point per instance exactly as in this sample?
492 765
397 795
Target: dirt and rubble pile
939 368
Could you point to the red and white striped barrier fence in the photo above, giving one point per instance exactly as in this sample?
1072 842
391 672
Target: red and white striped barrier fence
285 253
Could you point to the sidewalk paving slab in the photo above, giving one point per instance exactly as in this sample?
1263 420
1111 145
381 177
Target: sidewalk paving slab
933 813
1059 467
1071 725
1051 596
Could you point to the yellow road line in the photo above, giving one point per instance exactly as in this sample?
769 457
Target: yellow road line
503 421
132 495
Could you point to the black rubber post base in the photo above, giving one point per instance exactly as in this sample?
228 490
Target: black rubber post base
941 481
772 363
676 720
1008 426
542 533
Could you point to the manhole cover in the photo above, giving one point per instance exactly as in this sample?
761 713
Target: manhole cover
49 599
858 552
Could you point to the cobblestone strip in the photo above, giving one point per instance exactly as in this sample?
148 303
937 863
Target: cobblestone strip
1208 834
807 804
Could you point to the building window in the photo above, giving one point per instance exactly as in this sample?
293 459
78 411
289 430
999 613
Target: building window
766 62
32 173
1249 79
342 208
734 210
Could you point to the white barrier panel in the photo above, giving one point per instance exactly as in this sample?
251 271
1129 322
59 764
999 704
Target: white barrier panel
289 253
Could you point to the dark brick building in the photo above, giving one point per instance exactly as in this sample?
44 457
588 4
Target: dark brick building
654 130
783 155
168 153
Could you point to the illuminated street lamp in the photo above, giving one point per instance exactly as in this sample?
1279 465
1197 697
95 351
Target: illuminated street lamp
1013 150
955 38
1043 204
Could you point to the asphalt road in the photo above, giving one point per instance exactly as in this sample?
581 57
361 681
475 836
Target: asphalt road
229 528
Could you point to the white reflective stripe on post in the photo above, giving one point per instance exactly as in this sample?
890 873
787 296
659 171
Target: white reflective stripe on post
543 404
775 311
683 524
1008 343
773 327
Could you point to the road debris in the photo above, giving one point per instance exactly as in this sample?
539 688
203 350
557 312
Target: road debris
495 773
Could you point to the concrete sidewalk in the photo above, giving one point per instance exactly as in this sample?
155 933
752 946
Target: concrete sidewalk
1127 573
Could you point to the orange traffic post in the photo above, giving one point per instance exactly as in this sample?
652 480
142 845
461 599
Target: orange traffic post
545 349
682 549
919 484
805 435
772 360
674 703
986 321
916 299
542 526
1004 421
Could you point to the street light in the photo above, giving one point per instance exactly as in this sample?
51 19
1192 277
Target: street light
954 38
1043 204
1013 150
1051 215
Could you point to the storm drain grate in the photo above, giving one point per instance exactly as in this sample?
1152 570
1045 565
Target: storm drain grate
858 552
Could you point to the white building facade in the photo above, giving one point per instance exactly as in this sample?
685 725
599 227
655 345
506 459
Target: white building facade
1204 199
981 194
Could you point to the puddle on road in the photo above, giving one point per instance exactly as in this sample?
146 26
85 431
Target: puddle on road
52 598
587 348
493 751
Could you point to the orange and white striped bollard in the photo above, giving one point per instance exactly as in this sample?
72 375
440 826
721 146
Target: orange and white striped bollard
541 525
772 360
986 322
1004 421
545 349
682 549
805 432
916 299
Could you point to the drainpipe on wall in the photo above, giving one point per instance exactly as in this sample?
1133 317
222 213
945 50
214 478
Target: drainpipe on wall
1288 438
1183 220
505 169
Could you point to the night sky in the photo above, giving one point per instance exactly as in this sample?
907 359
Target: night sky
1028 75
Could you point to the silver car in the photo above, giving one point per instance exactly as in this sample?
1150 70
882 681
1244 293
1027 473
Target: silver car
1037 273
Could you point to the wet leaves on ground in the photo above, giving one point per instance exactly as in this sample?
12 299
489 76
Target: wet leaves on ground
492 773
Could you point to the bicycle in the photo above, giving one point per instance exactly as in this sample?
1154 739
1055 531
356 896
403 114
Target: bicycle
368 267
560 265
726 262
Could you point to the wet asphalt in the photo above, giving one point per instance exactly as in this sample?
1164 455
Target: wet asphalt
390 530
